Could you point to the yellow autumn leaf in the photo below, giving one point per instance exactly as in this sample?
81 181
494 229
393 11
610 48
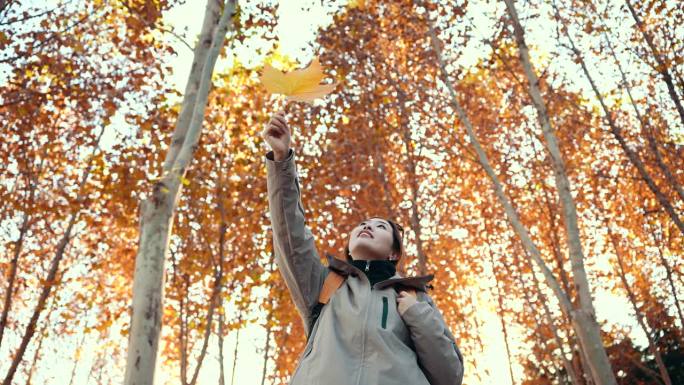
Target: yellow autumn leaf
300 85
184 180
361 4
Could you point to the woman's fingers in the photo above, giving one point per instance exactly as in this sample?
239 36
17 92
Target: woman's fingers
280 127
274 130
280 120
276 127
280 123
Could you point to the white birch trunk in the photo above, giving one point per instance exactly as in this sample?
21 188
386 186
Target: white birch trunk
584 318
616 130
662 66
156 212
510 211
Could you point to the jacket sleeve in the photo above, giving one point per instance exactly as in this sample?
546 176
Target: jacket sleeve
438 355
295 251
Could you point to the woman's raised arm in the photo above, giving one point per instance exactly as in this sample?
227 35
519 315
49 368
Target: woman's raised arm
295 250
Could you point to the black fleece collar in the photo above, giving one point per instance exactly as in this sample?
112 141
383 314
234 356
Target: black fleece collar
375 270
344 268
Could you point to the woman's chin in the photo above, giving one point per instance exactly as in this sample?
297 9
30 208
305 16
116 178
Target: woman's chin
365 252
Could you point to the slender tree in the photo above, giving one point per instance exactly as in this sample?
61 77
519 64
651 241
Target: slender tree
156 215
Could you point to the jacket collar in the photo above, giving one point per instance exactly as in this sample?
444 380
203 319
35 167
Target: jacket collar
345 268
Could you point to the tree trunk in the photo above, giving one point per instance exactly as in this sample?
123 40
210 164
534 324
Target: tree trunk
14 264
412 179
269 325
583 320
588 329
41 338
216 292
413 185
222 240
661 67
222 374
235 352
156 212
266 349
547 312
500 312
183 334
78 348
637 313
670 281
51 278
645 127
617 133
549 318
509 209
555 241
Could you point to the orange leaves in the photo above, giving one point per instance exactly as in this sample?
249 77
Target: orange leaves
4 40
147 11
301 85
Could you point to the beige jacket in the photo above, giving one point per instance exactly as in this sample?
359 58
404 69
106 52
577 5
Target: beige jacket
359 337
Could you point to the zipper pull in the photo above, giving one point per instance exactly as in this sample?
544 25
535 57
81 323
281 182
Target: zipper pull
367 265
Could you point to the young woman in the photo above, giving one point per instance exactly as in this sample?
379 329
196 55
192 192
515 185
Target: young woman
378 328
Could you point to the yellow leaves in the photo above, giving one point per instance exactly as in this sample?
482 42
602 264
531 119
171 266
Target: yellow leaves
77 354
360 4
678 138
185 181
299 85
4 40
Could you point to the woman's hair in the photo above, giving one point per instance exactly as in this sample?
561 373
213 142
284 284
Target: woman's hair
397 241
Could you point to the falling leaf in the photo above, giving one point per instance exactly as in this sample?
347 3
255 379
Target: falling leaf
184 180
300 85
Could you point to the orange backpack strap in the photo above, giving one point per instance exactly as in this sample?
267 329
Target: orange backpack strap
332 282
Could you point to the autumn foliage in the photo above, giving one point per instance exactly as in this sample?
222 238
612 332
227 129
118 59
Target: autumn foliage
88 116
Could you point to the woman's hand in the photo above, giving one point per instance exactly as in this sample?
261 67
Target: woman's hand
277 135
405 299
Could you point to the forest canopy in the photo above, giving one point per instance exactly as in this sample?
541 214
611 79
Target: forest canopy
532 151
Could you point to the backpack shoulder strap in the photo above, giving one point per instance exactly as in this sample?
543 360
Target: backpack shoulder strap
332 282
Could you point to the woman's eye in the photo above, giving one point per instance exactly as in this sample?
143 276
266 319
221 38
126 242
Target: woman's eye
383 226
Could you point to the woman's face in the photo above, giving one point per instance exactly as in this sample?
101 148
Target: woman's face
371 239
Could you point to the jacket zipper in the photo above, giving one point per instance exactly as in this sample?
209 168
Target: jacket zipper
363 332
